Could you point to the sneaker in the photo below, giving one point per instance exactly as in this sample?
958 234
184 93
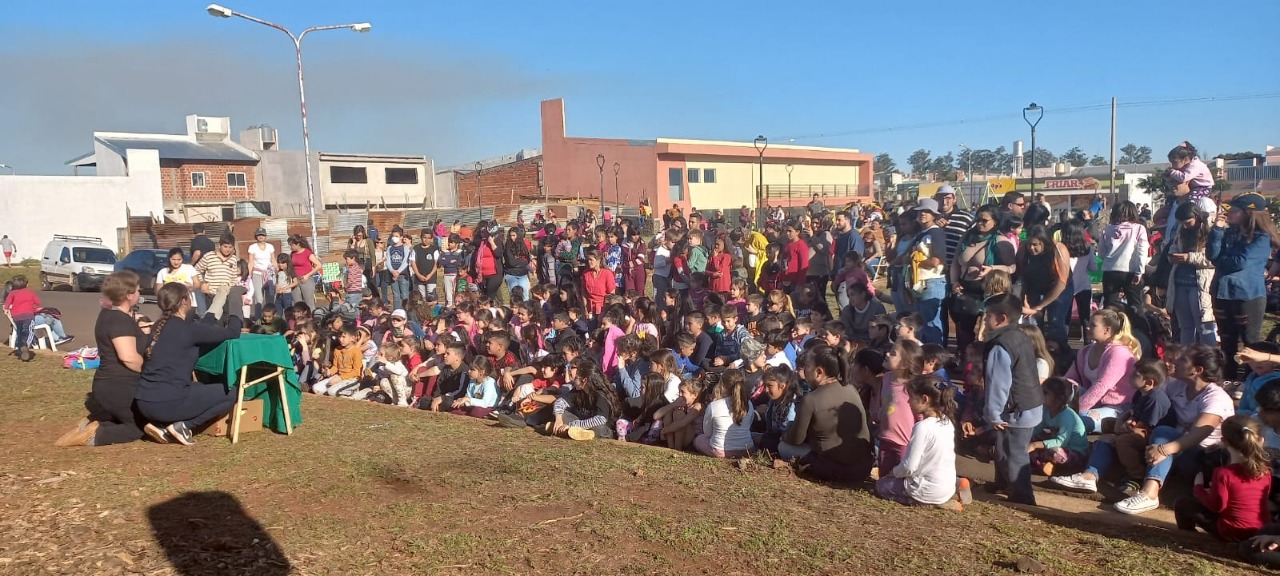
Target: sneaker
1131 486
81 435
179 431
1137 504
156 433
623 427
510 421
1047 469
1076 482
581 434
953 505
65 339
964 490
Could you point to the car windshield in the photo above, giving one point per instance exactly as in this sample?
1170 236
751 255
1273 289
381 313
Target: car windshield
93 256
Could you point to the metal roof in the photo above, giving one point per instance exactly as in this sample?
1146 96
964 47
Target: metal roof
175 149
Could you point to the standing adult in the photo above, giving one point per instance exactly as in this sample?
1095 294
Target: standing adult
928 263
442 234
306 267
485 264
1187 296
112 418
363 244
634 258
816 206
830 438
982 251
847 239
515 261
166 394
399 263
903 237
1044 268
9 249
262 266
1124 250
662 269
567 252
424 264
1239 247
957 222
820 264
200 245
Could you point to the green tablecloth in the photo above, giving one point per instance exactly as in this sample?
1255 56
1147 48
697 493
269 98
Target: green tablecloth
258 349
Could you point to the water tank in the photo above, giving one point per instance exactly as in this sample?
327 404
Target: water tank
268 134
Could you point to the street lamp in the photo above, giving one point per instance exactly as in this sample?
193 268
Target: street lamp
224 12
1033 110
617 196
789 169
761 144
968 160
479 190
12 172
600 164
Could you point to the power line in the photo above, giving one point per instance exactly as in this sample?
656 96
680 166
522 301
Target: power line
997 117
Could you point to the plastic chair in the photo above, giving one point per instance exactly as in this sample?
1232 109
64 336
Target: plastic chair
43 341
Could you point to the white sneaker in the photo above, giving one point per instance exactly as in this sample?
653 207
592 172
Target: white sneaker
1076 482
319 388
1137 504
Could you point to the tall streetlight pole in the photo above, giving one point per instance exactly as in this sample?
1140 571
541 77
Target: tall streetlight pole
790 199
761 144
479 190
617 196
600 164
1033 110
224 12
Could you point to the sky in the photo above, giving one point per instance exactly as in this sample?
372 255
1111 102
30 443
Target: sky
461 81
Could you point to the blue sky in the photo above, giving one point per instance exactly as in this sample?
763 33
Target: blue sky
459 81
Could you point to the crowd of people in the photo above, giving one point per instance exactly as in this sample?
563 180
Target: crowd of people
721 338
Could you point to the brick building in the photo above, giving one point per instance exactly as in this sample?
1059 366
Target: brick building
517 182
203 173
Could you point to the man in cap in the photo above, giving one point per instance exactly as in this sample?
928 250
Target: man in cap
957 222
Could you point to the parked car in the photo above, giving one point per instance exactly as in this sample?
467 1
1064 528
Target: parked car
146 263
81 262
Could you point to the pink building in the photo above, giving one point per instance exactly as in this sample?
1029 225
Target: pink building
698 174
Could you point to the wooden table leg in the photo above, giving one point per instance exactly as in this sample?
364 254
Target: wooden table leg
284 401
235 412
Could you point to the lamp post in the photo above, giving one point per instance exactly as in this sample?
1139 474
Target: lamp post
968 162
479 190
1033 110
761 144
600 164
224 12
12 172
617 196
789 169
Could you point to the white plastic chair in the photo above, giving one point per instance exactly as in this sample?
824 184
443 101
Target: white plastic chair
43 341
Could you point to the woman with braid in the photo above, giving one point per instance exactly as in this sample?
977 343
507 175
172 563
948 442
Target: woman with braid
166 394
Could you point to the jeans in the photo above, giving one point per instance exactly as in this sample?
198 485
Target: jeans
284 301
661 285
353 298
1013 463
929 305
54 324
1187 462
202 303
521 281
1238 321
792 452
400 289
900 304
1187 315
1054 322
24 336
202 404
261 281
450 286
1093 417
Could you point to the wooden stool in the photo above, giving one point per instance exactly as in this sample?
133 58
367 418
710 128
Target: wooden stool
278 374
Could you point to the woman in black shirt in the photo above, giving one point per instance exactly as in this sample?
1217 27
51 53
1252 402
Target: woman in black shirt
166 393
112 418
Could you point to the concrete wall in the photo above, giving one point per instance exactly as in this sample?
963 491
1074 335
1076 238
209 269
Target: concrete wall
37 207
446 189
570 170
282 181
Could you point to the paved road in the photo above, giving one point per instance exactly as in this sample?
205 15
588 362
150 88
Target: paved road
80 312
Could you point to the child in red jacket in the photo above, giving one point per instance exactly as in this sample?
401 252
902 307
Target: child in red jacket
21 305
1234 505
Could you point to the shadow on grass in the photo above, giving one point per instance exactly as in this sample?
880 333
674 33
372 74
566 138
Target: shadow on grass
210 533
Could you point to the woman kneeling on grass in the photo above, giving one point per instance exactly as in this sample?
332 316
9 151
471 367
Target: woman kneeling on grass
927 473
166 393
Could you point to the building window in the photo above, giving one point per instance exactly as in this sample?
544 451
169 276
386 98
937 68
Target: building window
348 175
708 175
693 175
235 180
675 184
197 179
402 175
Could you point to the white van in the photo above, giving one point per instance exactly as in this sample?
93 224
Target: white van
81 262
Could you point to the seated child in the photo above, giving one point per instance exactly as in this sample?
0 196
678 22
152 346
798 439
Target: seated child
726 424
642 426
926 474
682 420
1260 373
1233 506
782 389
270 323
907 326
343 375
481 394
1061 440
388 380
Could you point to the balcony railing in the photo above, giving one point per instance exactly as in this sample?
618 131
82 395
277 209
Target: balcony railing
806 191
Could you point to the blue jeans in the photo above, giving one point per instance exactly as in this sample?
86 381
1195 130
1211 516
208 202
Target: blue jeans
929 305
1013 463
521 281
661 285
1187 462
202 303
54 324
1094 423
400 288
284 302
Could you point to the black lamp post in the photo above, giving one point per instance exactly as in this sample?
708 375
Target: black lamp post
479 191
600 164
1038 112
617 196
761 143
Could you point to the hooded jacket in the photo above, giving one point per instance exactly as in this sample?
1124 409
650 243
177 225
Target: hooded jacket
1124 247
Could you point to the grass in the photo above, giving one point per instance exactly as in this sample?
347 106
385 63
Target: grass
364 488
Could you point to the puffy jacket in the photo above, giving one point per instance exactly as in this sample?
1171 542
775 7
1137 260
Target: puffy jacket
1239 266
1124 247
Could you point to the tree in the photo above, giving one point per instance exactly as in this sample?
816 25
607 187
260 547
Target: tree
1156 185
943 167
1075 157
1097 160
919 161
1002 161
1044 159
1257 158
884 164
1133 154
